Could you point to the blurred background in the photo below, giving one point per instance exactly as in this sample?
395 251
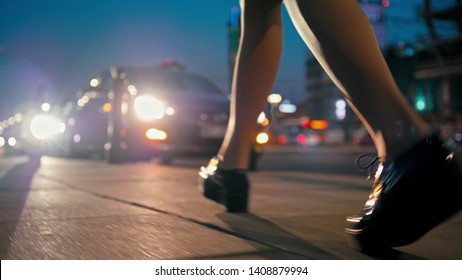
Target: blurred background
85 84
51 51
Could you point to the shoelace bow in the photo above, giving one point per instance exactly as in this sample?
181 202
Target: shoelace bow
370 166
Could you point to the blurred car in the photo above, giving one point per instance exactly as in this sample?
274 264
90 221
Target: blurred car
134 113
300 131
31 131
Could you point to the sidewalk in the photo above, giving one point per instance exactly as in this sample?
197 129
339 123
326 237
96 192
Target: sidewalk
75 209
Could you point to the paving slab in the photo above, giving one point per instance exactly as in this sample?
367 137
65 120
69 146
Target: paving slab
87 209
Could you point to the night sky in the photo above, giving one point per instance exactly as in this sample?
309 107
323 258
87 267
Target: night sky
61 44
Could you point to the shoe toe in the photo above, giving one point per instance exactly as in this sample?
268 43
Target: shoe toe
417 192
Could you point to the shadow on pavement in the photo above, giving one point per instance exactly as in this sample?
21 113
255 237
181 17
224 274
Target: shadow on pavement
265 232
393 254
14 189
279 240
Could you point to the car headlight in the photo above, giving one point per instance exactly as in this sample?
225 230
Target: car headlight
262 138
43 127
12 141
148 108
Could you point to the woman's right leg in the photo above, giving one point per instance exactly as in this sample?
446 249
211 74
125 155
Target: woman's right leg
342 39
416 168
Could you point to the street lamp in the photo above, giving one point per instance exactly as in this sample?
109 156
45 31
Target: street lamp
340 109
274 99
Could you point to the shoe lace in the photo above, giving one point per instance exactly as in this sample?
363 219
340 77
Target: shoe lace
377 185
369 166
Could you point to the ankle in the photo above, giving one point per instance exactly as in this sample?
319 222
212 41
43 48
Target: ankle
396 148
227 163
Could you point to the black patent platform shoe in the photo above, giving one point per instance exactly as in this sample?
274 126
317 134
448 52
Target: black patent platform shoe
229 188
410 196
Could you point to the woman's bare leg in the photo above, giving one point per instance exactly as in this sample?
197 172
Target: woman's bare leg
342 39
255 71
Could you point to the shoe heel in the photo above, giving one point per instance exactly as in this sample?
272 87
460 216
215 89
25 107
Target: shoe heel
235 202
229 188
